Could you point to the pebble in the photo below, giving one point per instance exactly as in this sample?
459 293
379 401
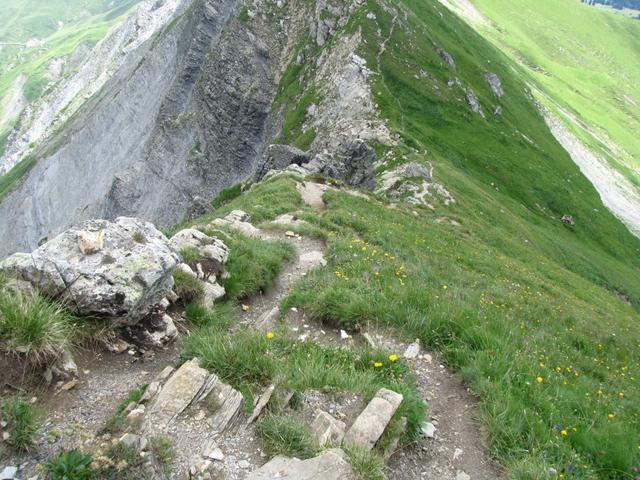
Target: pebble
344 335
9 473
412 350
457 453
244 464
428 430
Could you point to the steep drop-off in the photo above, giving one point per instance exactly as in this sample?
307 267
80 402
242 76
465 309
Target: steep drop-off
182 117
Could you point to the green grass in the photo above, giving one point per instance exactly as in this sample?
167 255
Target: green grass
286 436
188 287
35 327
585 59
22 422
226 195
162 448
366 464
254 264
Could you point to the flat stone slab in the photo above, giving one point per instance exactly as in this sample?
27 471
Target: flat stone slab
331 465
370 424
327 430
176 395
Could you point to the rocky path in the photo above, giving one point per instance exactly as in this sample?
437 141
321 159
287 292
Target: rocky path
453 448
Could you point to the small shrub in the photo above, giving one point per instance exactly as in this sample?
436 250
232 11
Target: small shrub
70 465
243 16
286 436
187 287
366 463
34 326
22 421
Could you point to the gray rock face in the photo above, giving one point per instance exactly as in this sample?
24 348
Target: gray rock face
495 84
352 164
331 465
371 423
117 269
279 157
182 118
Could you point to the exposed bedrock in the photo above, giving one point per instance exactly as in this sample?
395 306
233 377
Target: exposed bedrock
181 119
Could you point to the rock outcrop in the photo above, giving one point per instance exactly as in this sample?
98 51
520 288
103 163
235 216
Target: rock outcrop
121 269
371 423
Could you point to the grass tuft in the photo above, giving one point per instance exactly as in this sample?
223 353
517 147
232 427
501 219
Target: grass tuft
254 264
34 326
366 463
70 465
22 422
188 287
286 436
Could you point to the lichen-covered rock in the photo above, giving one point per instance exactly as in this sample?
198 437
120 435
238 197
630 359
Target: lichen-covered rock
120 269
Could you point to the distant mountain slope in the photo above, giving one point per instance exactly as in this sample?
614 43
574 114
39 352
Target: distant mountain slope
42 42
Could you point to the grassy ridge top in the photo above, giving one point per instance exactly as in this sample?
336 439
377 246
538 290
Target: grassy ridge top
586 59
541 318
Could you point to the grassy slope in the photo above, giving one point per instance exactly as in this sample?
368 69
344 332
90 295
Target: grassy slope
585 58
527 308
85 21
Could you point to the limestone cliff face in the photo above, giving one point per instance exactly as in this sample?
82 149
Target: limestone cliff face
182 117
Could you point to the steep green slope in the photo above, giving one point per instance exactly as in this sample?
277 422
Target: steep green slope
586 59
541 318
33 33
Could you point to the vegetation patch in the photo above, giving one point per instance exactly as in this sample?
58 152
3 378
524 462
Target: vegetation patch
286 436
118 422
366 463
22 422
35 327
254 264
188 287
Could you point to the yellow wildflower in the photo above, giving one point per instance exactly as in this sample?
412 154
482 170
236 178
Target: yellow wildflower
377 364
270 335
393 357
539 379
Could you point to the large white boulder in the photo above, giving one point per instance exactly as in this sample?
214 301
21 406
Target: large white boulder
121 269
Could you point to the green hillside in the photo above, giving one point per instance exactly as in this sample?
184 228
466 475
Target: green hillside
541 318
586 59
35 32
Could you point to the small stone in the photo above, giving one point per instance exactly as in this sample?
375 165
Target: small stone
130 440
371 423
290 233
369 339
460 475
244 464
69 385
6 436
136 415
344 335
412 350
327 430
428 430
214 452
246 308
3 424
9 473
457 453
